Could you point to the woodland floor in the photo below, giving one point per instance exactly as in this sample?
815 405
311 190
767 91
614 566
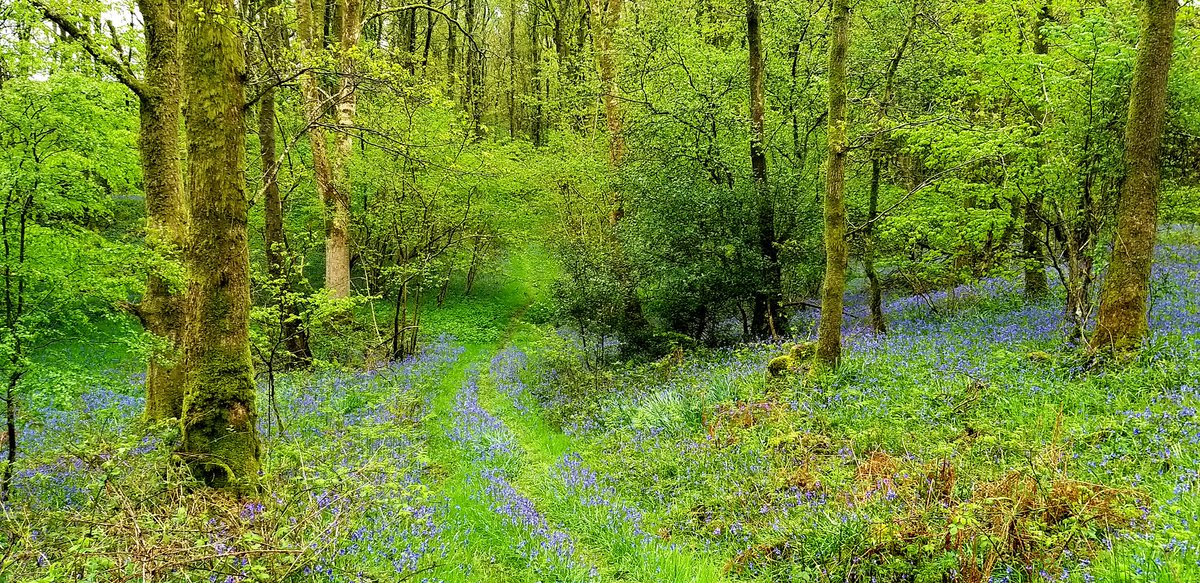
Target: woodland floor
969 444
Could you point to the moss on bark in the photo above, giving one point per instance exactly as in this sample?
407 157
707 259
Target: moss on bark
220 439
829 332
1121 323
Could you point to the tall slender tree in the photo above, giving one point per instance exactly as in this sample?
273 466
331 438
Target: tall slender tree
829 331
337 235
879 153
1036 285
220 439
295 338
1122 321
767 317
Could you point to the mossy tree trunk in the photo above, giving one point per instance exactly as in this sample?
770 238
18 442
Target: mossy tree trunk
605 16
767 318
1122 323
220 440
161 308
829 331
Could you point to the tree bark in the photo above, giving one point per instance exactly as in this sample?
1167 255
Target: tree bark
512 69
874 289
1122 321
767 317
473 99
309 27
536 125
337 239
220 440
161 308
295 338
451 50
605 16
829 331
1036 285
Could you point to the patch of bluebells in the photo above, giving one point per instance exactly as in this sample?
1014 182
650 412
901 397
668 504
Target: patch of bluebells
505 371
365 428
477 430
492 447
48 475
938 343
586 487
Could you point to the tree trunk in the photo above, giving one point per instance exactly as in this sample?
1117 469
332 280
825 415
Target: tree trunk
451 50
473 100
1036 286
309 24
337 239
535 75
767 317
512 69
428 37
605 16
294 336
220 440
874 289
829 331
161 308
1122 320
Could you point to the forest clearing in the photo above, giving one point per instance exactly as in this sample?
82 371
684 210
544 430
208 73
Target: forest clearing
600 290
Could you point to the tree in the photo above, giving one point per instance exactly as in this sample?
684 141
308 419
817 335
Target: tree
1122 321
829 332
605 16
220 438
1036 286
310 27
293 336
161 309
767 317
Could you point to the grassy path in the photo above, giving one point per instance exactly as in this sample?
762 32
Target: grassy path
486 550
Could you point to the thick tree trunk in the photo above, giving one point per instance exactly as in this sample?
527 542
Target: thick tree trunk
767 317
220 440
1122 320
161 308
829 331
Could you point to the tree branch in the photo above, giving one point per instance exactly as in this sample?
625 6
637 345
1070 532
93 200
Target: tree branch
122 72
396 9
